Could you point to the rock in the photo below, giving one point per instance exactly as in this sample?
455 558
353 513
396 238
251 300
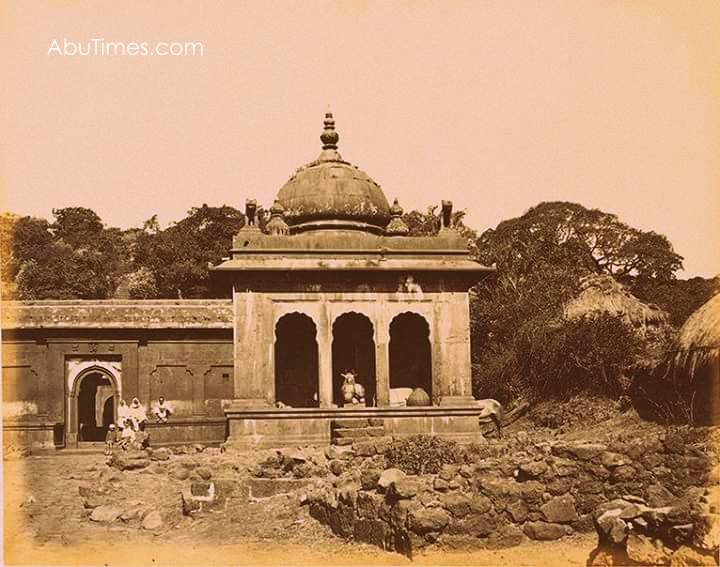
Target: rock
388 477
479 525
543 530
646 551
152 521
181 473
582 451
198 448
611 460
369 479
506 536
448 472
368 504
560 509
204 473
93 501
364 449
381 445
457 503
440 485
404 488
303 470
533 470
686 557
129 461
480 504
337 467
611 528
658 496
106 513
427 520
518 511
560 486
161 454
623 473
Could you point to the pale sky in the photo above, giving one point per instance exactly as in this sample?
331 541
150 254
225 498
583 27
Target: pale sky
494 105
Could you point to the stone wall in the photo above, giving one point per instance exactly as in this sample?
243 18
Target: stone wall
509 491
179 349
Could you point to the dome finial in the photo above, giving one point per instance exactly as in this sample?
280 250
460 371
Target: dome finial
329 137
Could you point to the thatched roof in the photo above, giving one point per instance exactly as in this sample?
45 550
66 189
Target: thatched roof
699 338
603 295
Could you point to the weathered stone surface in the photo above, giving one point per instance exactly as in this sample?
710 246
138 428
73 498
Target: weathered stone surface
200 488
623 473
161 454
687 557
611 460
559 486
129 460
369 479
457 503
448 472
658 496
106 514
204 473
371 531
479 525
364 449
368 504
264 488
532 470
543 530
152 521
181 473
506 536
560 509
388 477
404 488
611 528
518 511
480 504
646 551
349 423
93 501
581 451
440 485
427 520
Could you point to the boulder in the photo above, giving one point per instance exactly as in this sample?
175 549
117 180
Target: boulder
404 488
364 449
181 473
532 470
369 479
506 536
560 509
611 528
337 467
427 520
418 398
440 485
480 504
130 460
543 530
518 511
457 503
388 477
106 513
611 460
152 521
161 454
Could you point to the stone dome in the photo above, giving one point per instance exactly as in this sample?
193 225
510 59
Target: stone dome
332 193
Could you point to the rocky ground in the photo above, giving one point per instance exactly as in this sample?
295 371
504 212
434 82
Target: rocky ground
77 509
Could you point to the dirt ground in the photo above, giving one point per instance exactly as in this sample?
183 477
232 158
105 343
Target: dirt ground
46 524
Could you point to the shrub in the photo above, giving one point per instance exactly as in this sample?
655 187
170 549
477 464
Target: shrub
423 454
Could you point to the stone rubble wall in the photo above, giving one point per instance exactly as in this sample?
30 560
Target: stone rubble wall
512 490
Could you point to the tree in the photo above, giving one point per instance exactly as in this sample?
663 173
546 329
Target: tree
142 284
178 257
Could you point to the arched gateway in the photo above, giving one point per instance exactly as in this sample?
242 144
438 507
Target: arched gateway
384 309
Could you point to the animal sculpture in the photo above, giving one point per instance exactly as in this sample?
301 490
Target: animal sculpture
493 410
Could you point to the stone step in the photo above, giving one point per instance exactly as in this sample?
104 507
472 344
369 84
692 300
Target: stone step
349 423
343 441
359 432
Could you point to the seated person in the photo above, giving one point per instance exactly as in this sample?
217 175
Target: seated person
128 435
142 438
137 413
162 411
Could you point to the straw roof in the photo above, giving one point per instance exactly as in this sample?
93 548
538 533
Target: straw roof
602 295
699 338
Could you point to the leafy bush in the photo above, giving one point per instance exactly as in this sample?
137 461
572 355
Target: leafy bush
423 454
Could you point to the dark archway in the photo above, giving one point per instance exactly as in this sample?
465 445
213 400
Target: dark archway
410 357
296 361
353 348
95 406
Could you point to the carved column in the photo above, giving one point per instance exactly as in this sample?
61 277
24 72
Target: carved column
382 362
324 340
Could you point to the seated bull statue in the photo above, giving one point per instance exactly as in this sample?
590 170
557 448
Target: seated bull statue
493 410
352 392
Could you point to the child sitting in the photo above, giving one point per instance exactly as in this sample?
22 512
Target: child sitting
128 435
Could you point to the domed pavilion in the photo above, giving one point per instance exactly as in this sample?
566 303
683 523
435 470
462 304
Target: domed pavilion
334 285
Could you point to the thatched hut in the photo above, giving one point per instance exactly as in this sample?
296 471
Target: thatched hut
696 361
602 295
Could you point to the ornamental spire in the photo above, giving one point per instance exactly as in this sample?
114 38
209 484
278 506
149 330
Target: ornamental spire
329 137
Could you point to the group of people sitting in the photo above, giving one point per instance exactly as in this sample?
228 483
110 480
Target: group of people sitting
130 432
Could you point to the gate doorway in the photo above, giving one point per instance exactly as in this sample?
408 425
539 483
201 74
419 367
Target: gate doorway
93 406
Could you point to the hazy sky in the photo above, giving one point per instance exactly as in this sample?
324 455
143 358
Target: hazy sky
494 105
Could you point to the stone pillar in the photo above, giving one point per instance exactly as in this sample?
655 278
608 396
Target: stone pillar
452 315
253 372
382 361
324 340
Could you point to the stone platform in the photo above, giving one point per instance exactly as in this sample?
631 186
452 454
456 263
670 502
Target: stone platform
274 427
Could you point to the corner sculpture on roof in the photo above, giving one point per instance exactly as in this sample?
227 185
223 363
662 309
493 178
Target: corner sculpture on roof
336 287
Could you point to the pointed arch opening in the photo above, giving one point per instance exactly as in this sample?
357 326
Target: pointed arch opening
410 354
296 361
96 397
353 349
